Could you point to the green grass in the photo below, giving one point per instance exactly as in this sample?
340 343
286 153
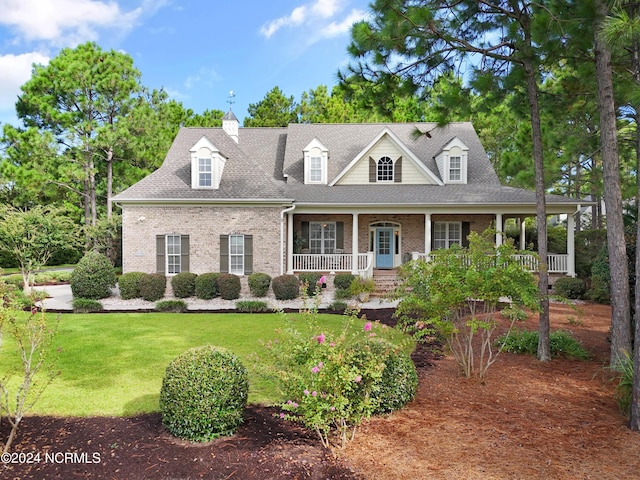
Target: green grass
113 364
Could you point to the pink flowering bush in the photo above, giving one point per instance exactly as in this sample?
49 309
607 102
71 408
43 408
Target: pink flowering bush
331 382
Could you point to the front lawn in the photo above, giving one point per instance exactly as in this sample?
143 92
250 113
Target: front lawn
113 364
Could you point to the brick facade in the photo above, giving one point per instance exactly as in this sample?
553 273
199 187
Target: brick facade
204 225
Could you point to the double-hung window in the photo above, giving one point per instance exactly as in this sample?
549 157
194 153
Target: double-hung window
455 169
322 237
315 169
236 254
205 172
173 255
446 234
385 170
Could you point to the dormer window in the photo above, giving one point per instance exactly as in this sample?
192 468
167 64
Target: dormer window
207 165
316 163
455 169
452 162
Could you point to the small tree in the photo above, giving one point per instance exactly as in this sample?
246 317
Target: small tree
32 236
32 337
459 292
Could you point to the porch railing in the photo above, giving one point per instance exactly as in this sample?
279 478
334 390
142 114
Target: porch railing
332 262
557 263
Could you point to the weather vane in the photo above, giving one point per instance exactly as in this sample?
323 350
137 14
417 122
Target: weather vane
231 100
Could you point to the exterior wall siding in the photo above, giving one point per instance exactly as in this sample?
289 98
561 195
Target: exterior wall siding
204 225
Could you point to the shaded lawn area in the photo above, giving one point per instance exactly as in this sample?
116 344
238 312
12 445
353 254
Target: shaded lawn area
112 364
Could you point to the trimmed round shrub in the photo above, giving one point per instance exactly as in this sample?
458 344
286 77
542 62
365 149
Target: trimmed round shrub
184 284
206 286
93 277
310 279
259 284
342 281
399 382
129 285
171 306
229 286
204 394
153 286
567 287
286 287
86 305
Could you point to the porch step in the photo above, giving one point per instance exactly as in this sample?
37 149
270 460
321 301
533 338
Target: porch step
385 280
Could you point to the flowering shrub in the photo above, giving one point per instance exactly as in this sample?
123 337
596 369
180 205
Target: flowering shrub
331 382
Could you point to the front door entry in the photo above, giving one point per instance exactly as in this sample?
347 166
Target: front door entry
384 247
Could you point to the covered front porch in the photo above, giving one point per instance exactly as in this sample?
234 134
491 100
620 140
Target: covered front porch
362 241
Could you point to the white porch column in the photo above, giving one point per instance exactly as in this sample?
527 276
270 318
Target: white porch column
427 233
290 243
571 246
523 233
354 244
498 229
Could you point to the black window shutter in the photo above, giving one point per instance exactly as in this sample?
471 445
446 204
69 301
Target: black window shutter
224 253
373 170
433 241
397 173
340 235
248 254
305 235
184 253
160 260
466 230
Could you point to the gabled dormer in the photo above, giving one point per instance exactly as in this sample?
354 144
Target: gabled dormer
452 162
207 165
386 160
316 163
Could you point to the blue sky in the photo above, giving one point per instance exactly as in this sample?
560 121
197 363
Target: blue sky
197 50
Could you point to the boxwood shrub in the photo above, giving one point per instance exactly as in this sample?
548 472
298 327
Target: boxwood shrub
153 286
93 277
286 287
204 394
184 284
86 305
310 279
206 286
171 306
129 285
342 281
399 382
259 284
567 287
229 286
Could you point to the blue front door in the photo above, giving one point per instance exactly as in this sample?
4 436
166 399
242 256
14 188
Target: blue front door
384 248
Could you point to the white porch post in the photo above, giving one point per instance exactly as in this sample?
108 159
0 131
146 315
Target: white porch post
427 233
523 233
290 243
354 244
571 246
498 229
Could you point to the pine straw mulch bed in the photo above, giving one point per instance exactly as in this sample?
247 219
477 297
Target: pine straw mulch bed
527 421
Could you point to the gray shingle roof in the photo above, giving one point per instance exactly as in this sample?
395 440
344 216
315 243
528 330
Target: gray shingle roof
256 166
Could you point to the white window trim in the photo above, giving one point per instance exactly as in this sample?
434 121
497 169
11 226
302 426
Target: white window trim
316 149
167 254
237 271
205 149
448 240
456 169
323 226
393 171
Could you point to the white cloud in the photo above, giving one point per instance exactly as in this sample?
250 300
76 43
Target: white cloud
64 22
208 76
335 29
303 15
15 70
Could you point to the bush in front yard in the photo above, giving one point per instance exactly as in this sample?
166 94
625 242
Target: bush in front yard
259 284
184 284
310 279
342 281
286 287
93 277
399 382
567 287
86 305
153 286
171 306
207 286
129 285
204 394
229 286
